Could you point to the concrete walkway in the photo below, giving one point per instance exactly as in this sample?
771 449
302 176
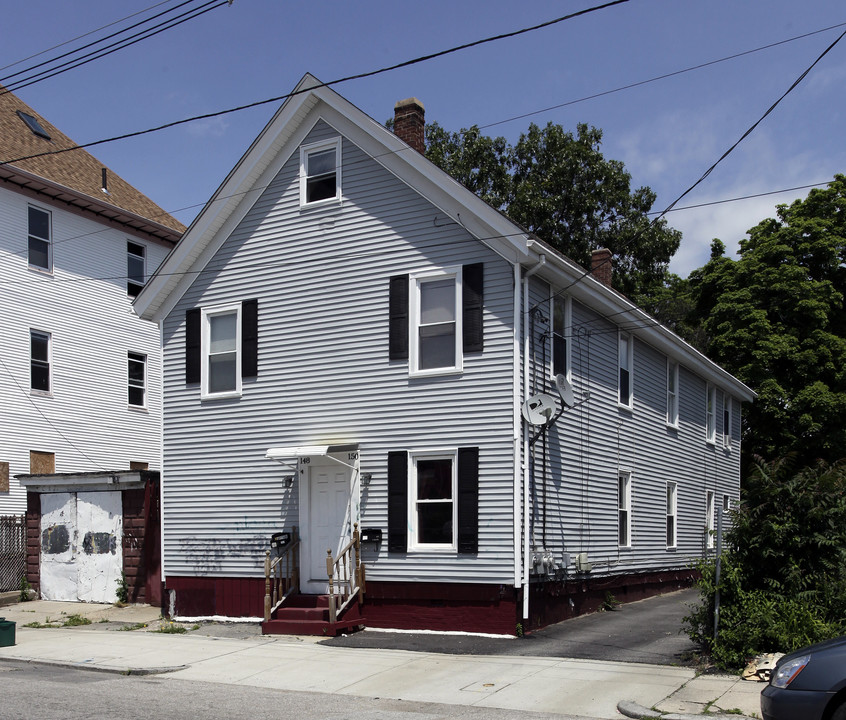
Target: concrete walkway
236 654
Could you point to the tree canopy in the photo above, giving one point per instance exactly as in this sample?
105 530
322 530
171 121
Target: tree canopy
559 186
775 319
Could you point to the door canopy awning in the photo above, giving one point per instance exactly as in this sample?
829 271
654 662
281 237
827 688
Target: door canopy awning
290 454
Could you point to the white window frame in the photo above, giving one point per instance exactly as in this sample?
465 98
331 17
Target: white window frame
143 257
450 454
49 362
137 358
624 508
207 313
672 393
48 240
728 419
311 149
672 515
417 280
625 363
709 519
566 313
710 413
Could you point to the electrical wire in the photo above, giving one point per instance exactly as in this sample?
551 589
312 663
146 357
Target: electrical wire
358 76
91 57
84 35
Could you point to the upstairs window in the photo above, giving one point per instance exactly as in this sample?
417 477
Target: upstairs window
320 172
39 363
727 418
560 330
40 249
672 393
136 273
437 317
137 379
710 413
625 344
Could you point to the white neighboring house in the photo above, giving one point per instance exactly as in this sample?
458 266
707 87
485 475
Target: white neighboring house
80 386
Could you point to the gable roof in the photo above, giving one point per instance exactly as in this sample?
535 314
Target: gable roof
265 157
74 177
280 139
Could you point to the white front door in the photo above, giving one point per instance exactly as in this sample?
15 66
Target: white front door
327 510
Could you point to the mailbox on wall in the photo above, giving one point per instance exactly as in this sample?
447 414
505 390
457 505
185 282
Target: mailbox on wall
280 540
371 535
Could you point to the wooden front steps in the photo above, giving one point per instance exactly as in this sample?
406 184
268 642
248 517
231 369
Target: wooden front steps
309 615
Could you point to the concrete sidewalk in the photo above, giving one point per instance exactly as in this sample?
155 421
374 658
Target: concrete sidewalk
232 654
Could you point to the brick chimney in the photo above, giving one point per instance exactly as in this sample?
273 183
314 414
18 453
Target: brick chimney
600 265
410 124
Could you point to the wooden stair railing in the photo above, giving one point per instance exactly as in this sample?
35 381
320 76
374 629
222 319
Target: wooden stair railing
346 576
281 575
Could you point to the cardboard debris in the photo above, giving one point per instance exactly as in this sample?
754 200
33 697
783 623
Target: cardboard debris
761 667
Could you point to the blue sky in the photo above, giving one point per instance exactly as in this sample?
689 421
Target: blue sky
667 132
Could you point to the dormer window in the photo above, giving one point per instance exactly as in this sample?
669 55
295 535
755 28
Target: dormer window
33 124
320 172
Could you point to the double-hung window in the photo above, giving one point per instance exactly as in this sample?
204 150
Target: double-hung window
39 368
436 313
671 514
39 248
710 413
136 274
137 379
432 496
624 516
709 519
672 393
626 356
727 418
221 340
320 172
560 331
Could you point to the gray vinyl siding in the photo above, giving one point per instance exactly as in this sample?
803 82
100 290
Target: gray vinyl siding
83 305
593 441
321 279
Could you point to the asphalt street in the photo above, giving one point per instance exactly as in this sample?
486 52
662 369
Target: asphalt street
647 631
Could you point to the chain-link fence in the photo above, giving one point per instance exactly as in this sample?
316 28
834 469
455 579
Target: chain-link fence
12 551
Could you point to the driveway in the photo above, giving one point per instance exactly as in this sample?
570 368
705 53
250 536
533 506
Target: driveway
647 631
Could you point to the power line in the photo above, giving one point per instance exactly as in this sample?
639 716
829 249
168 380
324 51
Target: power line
84 35
359 76
104 52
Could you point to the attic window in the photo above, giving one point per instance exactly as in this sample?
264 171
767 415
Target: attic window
33 124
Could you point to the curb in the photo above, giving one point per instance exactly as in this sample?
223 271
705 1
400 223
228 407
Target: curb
638 712
112 669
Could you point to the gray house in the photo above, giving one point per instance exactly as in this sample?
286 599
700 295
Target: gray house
362 357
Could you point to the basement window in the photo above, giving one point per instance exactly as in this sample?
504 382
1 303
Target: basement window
33 124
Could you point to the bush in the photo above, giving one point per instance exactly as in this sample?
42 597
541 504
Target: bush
782 584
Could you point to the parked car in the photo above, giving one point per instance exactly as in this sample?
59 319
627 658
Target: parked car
809 684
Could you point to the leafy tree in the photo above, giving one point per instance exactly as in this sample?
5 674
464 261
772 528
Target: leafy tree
782 584
560 187
774 318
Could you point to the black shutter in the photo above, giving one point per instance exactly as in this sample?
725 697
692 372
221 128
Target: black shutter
249 338
472 293
192 346
468 500
397 501
398 318
559 355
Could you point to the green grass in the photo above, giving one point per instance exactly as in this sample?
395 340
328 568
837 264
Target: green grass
76 621
171 628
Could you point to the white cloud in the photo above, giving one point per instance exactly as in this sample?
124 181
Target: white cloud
210 127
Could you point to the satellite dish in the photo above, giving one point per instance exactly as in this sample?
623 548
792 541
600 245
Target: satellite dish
538 409
565 390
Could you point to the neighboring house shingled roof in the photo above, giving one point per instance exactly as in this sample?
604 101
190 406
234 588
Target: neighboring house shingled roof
76 171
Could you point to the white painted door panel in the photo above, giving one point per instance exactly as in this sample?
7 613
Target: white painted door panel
58 541
329 500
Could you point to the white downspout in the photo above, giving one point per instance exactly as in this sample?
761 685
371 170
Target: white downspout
526 479
161 454
517 426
